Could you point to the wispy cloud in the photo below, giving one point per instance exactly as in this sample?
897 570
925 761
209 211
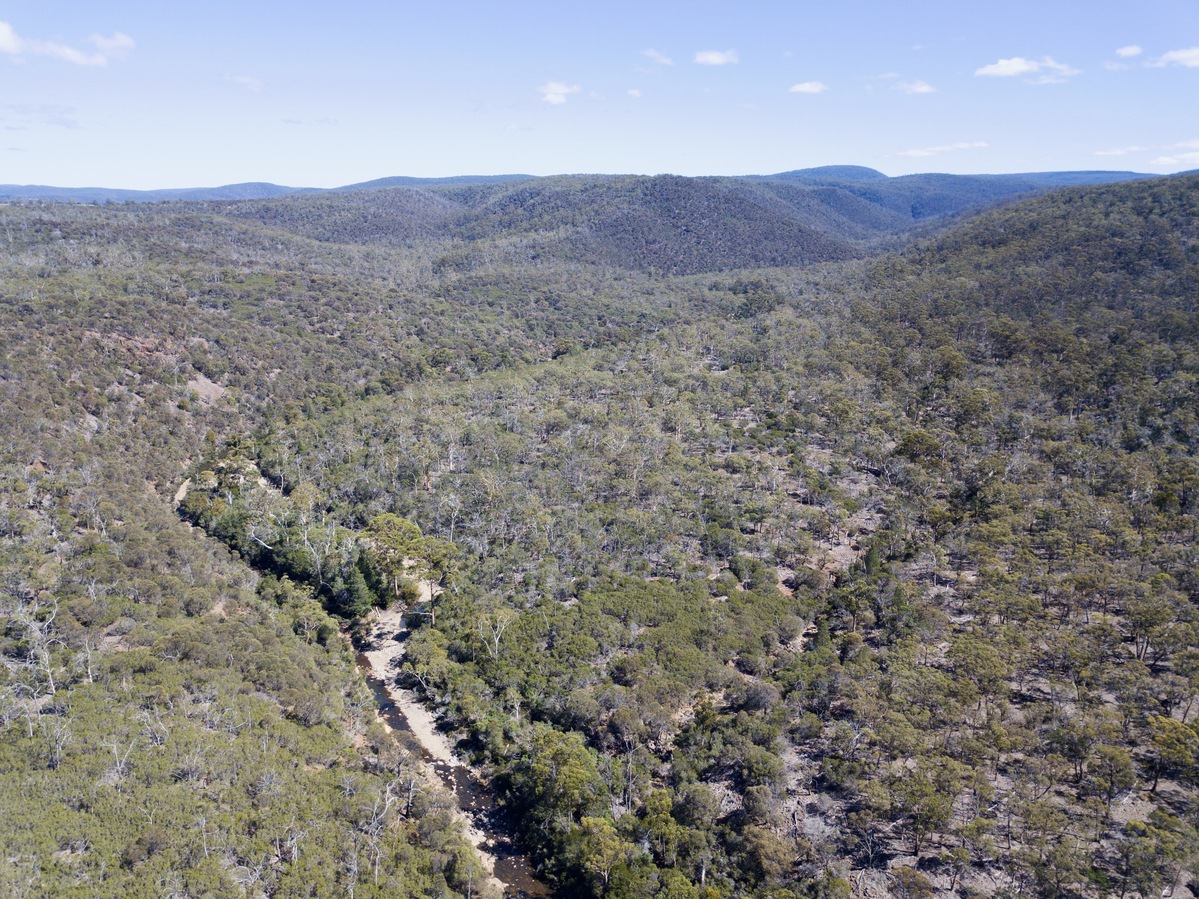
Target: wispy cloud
921 152
1129 52
9 42
660 58
114 46
716 57
1189 156
1121 151
20 116
1183 153
555 92
915 87
634 92
1188 57
1047 69
808 87
107 48
894 81
250 83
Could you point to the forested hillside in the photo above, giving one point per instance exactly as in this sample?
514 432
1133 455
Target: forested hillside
764 566
663 224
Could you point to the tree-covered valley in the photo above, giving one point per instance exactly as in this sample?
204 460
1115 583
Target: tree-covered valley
781 539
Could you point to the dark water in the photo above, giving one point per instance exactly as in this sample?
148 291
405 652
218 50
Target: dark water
511 866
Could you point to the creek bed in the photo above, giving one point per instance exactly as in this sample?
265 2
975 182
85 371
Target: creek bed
491 824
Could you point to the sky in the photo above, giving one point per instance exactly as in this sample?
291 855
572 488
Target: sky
149 95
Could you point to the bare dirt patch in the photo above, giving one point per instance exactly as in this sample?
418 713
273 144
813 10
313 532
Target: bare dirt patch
208 391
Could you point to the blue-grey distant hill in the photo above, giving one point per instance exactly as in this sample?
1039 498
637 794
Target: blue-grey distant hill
826 173
979 187
251 190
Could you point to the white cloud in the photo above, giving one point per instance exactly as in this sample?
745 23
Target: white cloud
1050 71
1188 58
945 148
250 83
116 46
634 92
808 87
1129 51
660 58
555 92
716 57
915 87
1006 68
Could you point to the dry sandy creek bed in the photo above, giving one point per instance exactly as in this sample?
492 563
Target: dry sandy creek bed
483 823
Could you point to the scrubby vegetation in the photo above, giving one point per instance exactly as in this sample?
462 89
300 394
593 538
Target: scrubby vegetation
865 575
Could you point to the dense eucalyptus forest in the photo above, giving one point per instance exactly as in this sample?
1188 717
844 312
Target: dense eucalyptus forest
751 539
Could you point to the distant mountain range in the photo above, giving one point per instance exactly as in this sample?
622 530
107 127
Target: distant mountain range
261 190
249 190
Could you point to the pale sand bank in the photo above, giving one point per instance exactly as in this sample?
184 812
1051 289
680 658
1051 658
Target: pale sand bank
385 656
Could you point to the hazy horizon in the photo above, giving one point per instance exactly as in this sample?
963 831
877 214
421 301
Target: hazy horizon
183 186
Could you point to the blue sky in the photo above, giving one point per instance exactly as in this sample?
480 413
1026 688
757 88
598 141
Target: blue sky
153 94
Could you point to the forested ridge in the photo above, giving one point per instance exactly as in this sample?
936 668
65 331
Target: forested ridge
665 223
858 575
